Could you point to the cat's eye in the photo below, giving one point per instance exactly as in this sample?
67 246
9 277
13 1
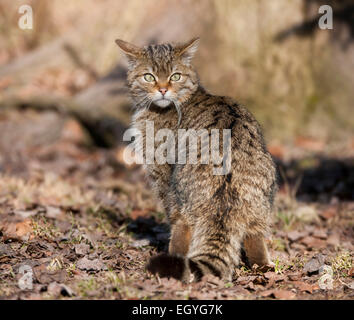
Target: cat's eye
149 77
175 77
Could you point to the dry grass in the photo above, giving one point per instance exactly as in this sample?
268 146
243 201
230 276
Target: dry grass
51 190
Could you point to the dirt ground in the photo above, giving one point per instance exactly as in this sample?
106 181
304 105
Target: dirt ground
82 225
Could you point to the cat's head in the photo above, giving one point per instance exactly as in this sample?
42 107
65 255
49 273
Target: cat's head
161 74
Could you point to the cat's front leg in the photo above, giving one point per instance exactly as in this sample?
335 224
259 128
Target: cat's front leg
159 178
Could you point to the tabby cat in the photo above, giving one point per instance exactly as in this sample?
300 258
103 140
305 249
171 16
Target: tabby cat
211 216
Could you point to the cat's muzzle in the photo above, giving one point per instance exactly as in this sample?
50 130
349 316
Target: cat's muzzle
162 103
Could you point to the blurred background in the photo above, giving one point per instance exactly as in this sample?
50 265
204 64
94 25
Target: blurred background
64 107
66 77
269 55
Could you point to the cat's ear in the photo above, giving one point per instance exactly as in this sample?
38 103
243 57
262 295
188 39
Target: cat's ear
131 51
187 50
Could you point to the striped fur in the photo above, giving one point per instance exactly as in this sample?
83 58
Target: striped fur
211 216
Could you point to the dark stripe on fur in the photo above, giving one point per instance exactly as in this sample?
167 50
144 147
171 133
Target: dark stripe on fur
212 256
213 270
195 269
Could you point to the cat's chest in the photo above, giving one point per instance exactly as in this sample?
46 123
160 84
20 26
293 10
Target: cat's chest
153 122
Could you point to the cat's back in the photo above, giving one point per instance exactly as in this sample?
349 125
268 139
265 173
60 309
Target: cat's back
207 111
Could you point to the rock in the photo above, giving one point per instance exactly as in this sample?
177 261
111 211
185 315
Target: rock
140 243
326 269
6 250
91 265
314 265
325 282
82 249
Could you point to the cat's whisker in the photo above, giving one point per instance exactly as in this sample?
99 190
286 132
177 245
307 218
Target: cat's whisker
148 107
142 100
179 112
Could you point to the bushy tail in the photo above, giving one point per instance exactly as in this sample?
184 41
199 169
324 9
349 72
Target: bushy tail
182 268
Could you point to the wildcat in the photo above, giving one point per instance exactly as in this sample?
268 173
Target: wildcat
211 216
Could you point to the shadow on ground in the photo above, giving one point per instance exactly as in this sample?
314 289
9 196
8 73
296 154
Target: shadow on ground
318 178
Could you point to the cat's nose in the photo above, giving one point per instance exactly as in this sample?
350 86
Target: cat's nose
163 91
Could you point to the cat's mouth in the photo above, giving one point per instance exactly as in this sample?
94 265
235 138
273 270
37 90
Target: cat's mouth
163 102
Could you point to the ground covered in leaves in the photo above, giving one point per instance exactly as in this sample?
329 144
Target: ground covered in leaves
82 225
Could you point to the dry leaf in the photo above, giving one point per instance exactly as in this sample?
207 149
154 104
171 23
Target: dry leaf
294 276
296 235
250 286
320 233
333 239
303 286
328 213
312 242
278 294
245 279
215 281
351 272
135 214
274 276
57 289
45 276
17 230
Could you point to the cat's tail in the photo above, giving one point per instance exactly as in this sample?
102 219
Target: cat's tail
189 269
